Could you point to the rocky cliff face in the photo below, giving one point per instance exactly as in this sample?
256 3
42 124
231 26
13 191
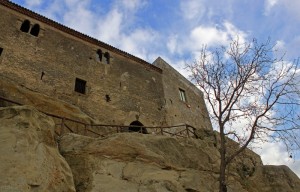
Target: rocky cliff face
31 160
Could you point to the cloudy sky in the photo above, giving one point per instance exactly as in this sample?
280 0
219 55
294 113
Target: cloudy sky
176 30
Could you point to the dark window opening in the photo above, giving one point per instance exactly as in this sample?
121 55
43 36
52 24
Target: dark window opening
80 86
99 54
182 95
1 50
107 57
35 30
25 26
137 126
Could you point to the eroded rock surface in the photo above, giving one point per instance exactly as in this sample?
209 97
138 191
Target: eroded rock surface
274 179
30 160
125 162
135 162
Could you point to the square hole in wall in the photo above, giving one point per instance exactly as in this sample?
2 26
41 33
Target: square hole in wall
80 86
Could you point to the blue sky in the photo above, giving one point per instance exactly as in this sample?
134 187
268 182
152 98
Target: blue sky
176 30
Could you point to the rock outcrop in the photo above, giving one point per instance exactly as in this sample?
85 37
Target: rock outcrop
30 160
127 162
135 162
272 178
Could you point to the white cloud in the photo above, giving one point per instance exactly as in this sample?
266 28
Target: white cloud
139 42
203 35
287 8
192 9
109 28
269 4
33 3
279 49
233 32
280 45
55 11
172 43
292 8
212 36
132 4
78 16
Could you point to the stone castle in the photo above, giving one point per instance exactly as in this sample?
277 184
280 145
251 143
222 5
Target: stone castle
106 83
70 76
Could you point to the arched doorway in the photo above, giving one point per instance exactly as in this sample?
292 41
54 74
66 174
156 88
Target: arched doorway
137 126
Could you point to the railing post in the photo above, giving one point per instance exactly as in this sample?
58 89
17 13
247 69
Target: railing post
62 126
161 131
187 130
194 132
77 129
85 129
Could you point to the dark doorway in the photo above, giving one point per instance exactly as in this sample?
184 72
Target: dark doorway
137 126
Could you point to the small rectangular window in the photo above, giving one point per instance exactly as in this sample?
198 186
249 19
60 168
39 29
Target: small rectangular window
182 95
80 86
1 50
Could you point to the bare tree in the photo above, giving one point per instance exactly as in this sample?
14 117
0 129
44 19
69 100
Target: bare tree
252 96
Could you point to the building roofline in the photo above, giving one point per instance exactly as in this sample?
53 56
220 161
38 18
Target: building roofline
75 33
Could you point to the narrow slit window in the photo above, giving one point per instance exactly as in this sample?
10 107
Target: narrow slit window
80 86
1 50
25 26
182 95
99 54
107 57
35 30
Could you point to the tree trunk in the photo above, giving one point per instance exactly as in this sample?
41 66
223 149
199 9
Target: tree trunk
222 178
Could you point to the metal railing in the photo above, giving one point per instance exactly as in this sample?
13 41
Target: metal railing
68 125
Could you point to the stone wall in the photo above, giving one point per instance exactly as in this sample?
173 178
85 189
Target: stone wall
60 62
116 93
192 109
